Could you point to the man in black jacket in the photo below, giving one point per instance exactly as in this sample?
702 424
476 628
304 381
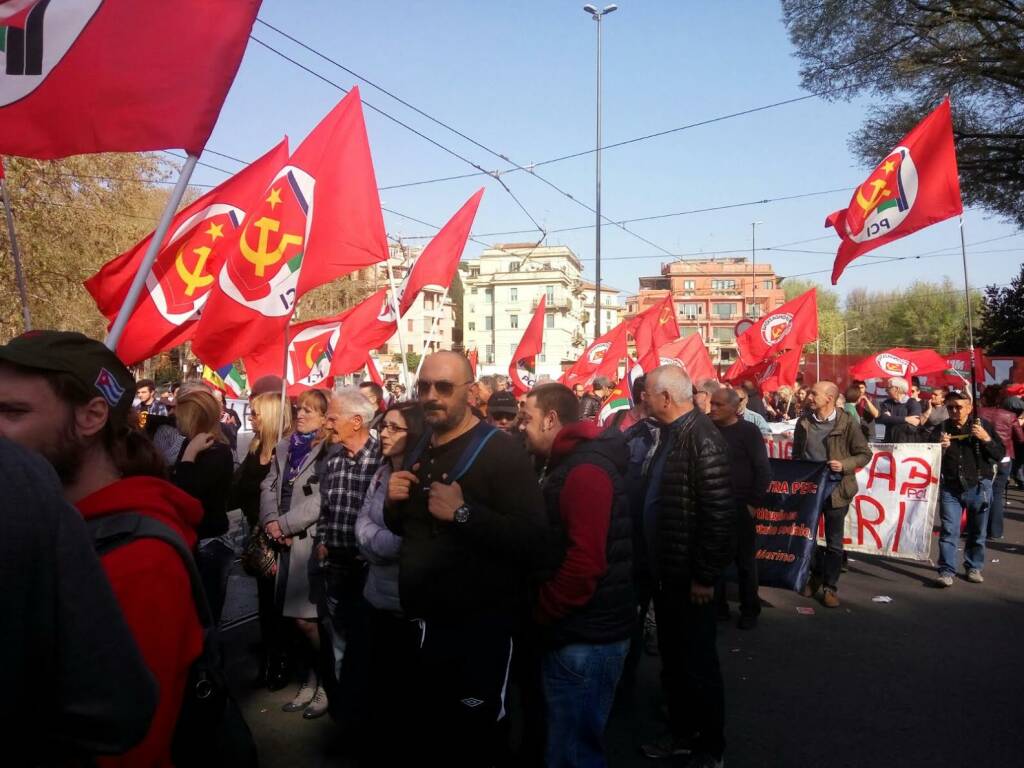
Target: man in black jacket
688 524
586 608
469 546
900 413
590 403
969 455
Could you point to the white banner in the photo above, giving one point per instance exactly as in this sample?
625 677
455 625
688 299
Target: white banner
894 510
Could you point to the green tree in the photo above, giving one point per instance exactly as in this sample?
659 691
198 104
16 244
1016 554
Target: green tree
71 216
413 361
1002 318
908 54
830 318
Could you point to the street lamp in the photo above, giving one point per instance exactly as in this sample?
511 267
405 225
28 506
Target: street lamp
753 263
597 15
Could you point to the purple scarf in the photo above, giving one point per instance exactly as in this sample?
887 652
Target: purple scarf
299 446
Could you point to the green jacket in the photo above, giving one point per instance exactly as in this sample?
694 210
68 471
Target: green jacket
845 443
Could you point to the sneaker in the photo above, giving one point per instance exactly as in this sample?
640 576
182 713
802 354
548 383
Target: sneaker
318 706
829 599
811 587
943 580
303 697
747 621
666 747
704 760
974 576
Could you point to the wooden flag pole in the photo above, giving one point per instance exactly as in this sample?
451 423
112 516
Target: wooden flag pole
139 282
19 275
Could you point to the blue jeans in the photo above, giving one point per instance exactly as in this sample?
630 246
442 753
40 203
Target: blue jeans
995 514
579 688
951 505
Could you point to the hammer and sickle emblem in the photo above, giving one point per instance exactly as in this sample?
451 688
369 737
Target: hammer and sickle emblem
869 204
310 358
196 278
666 315
262 257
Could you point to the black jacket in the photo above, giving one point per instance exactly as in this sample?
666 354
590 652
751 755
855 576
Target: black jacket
610 614
590 407
207 479
968 460
696 510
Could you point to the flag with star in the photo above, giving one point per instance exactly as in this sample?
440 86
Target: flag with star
915 186
318 219
186 266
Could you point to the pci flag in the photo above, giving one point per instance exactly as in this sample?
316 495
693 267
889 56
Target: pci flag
691 355
317 220
652 328
916 185
792 325
899 362
523 369
81 76
186 266
601 358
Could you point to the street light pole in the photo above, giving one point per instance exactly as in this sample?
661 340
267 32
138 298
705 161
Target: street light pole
597 15
753 263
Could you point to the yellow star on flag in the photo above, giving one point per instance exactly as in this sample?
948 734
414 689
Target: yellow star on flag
275 198
215 231
889 166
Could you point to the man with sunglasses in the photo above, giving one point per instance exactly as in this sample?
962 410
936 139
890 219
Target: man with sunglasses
502 410
968 457
469 545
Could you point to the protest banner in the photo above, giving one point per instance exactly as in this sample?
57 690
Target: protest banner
898 492
786 522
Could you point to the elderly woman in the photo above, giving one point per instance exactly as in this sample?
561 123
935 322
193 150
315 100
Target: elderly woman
289 509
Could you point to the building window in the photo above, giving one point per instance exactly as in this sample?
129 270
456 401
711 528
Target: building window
512 349
723 334
689 285
549 319
473 290
768 285
549 291
607 315
513 321
513 294
489 353
723 285
754 310
408 349
488 323
723 311
474 271
409 323
514 266
543 352
691 311
488 291
546 265
472 325
428 301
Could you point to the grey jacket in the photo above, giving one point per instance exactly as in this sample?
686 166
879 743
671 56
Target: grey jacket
379 545
304 509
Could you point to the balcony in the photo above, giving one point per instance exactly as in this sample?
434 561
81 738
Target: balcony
561 305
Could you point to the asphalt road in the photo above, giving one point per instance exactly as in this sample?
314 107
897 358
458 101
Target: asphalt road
932 678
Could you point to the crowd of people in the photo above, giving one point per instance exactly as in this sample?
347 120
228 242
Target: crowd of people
418 558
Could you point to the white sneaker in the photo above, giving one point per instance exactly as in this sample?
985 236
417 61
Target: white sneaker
318 706
303 697
974 576
944 580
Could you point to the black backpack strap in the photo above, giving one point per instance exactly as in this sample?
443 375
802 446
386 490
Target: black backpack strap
114 531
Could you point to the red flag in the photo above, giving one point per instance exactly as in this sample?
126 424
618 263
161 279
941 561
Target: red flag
370 324
373 371
792 325
522 370
439 260
601 358
898 362
652 328
318 219
474 361
691 355
185 268
915 186
769 373
117 75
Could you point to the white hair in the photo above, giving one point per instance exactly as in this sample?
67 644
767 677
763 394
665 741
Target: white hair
899 383
673 380
353 401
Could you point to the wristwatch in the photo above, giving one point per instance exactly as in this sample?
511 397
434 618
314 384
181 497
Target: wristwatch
462 514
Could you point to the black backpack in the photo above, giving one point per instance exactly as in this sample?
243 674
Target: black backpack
211 730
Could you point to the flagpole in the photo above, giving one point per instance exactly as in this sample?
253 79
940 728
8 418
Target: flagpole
139 282
284 385
398 321
817 360
430 337
970 319
19 275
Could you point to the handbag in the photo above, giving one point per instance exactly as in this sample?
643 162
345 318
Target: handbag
259 557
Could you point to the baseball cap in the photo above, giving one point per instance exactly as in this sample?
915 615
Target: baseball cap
503 402
88 361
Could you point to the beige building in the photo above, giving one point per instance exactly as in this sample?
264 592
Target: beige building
613 308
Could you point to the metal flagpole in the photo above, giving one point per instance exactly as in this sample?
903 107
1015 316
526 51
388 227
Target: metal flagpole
970 319
151 252
817 360
430 336
284 386
19 275
398 323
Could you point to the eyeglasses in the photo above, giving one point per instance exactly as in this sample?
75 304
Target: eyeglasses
503 416
389 427
442 387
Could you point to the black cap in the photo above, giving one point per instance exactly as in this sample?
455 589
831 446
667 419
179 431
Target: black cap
503 402
95 367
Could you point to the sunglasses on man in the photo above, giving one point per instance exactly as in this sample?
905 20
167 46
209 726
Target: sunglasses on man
442 387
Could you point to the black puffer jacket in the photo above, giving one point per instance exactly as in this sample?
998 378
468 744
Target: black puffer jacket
695 515
590 407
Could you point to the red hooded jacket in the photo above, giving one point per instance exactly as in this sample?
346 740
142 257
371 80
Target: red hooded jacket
152 586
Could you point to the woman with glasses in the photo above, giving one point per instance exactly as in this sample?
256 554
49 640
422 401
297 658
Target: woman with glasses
289 510
401 429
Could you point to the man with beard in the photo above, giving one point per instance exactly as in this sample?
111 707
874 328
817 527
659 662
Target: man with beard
69 397
471 517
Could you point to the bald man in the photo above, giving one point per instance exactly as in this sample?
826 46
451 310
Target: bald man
471 517
829 435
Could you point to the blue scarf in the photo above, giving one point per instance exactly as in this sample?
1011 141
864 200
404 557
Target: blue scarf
299 446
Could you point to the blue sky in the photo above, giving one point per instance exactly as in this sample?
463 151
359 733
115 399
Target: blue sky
520 79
